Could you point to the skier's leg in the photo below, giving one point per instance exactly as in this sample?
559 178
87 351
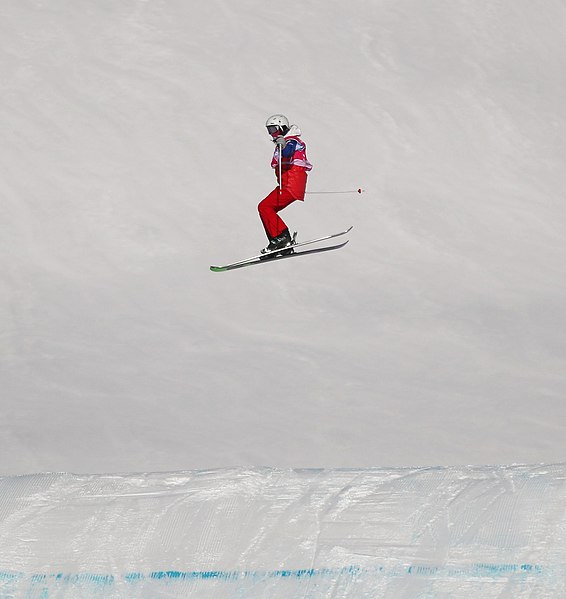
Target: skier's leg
268 210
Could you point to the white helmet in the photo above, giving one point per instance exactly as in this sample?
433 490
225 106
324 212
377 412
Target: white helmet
278 120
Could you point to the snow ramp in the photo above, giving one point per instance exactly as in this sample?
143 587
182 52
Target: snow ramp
284 534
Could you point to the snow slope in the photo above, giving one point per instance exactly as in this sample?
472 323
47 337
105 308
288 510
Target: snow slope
455 532
133 156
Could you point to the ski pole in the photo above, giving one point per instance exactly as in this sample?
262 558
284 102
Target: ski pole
280 159
360 190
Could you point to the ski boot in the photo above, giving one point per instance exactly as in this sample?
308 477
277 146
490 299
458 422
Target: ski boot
282 242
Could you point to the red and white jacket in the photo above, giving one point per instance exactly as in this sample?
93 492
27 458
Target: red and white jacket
294 153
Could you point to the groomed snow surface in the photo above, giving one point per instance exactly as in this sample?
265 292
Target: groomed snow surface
133 156
286 534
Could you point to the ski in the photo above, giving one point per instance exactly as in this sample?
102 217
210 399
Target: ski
256 259
253 262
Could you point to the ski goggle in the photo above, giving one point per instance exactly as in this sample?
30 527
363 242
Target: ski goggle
272 129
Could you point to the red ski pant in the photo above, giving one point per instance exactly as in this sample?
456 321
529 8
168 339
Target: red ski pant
293 186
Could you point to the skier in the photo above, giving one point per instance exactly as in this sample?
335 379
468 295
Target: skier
291 166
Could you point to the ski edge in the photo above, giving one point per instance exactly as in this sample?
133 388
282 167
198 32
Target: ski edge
296 245
277 258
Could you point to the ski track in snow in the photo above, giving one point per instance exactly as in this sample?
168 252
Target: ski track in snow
405 532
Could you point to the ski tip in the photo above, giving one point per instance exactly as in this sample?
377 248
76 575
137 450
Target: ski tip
217 268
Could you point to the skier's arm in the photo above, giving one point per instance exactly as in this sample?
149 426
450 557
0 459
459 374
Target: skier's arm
287 154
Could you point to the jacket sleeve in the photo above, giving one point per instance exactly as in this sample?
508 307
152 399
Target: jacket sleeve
289 149
288 154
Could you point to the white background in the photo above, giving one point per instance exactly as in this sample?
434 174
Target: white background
133 155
